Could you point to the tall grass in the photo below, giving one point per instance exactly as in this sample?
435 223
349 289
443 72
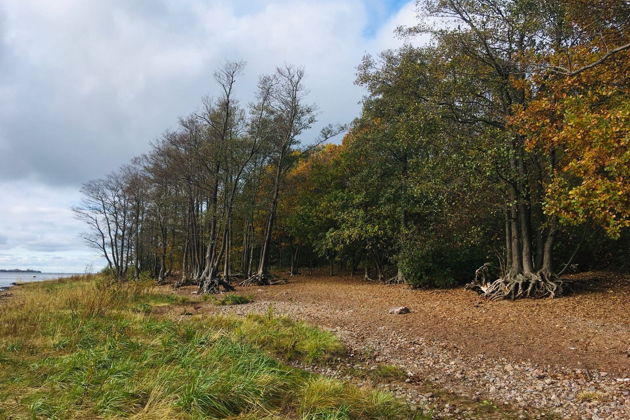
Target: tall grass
87 348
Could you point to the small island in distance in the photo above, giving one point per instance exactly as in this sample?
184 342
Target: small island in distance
17 270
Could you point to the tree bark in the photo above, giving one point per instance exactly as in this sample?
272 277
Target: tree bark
264 252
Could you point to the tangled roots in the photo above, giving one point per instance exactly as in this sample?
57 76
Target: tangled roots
514 286
265 279
397 279
213 286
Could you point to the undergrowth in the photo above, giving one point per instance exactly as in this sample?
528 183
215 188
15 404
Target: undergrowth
87 348
231 299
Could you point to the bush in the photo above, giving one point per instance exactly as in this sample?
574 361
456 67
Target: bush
440 267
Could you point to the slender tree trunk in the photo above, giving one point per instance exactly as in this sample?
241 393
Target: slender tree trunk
250 264
245 252
294 257
547 264
525 238
264 252
228 243
212 241
508 243
517 266
524 215
540 243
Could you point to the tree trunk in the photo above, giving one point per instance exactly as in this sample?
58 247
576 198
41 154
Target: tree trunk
508 244
515 248
263 269
547 261
294 257
525 238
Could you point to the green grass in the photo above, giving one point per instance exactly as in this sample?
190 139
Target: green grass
87 348
388 373
231 299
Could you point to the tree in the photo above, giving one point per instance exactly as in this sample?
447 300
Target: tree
107 210
504 139
579 111
290 117
224 122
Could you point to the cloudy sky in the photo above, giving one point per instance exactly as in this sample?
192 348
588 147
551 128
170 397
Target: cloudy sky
86 84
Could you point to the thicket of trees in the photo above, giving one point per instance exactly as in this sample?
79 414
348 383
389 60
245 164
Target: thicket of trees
505 142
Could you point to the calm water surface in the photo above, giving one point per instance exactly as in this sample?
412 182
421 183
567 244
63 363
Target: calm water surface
7 278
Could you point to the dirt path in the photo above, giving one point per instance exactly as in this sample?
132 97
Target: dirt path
568 356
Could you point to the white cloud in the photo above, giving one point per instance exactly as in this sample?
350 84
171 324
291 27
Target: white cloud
86 85
38 229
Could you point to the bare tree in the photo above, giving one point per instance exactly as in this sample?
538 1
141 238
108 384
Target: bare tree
290 116
107 210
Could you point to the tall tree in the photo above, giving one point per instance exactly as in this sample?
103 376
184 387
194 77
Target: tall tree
290 116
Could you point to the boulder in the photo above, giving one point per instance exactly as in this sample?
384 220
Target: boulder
399 310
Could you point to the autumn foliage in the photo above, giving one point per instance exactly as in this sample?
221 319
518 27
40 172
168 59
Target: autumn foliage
578 115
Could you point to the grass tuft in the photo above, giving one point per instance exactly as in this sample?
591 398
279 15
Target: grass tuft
590 396
232 299
288 339
388 373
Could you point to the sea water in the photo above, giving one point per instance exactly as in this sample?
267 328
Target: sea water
9 277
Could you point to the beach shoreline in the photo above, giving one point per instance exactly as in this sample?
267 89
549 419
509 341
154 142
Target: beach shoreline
9 279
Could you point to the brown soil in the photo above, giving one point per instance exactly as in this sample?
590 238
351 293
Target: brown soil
567 357
588 329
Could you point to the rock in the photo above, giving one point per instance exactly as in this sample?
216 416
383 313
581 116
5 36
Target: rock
400 310
539 374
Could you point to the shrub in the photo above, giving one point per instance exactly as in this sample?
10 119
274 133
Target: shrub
437 266
232 299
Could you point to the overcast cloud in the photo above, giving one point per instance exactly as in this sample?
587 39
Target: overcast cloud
86 84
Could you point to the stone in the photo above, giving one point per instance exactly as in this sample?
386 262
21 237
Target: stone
399 310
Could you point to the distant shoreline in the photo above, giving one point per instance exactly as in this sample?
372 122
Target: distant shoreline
9 279
17 270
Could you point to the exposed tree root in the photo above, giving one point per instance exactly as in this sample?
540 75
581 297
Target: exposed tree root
213 286
184 281
514 286
397 279
264 279
256 280
379 279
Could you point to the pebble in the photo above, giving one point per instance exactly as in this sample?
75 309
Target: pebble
531 390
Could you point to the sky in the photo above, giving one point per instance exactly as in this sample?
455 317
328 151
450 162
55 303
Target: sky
85 85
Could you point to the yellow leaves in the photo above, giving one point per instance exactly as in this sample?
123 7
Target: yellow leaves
584 122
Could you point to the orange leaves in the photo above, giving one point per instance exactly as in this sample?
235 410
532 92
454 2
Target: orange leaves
582 124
